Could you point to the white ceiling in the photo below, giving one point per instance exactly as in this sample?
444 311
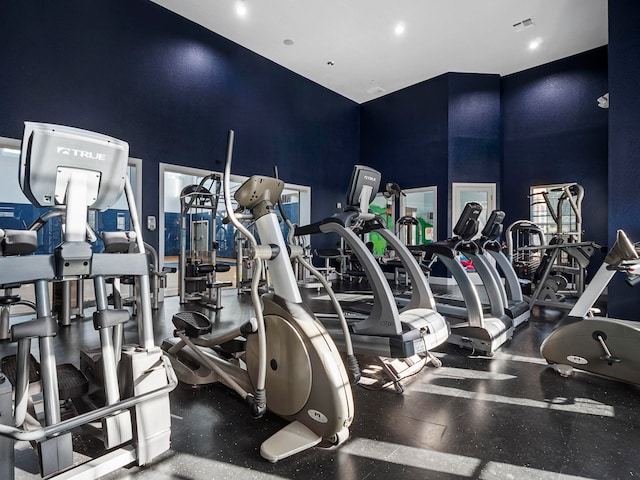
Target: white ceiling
370 60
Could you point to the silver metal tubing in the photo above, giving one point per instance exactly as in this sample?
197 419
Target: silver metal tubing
257 269
93 415
209 363
80 297
145 319
111 389
109 366
48 372
45 217
334 301
145 315
23 358
227 195
118 330
5 315
182 270
604 346
100 287
155 280
65 310
262 334
117 293
117 337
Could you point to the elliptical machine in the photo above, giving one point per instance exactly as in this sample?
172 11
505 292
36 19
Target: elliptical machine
287 362
605 346
74 171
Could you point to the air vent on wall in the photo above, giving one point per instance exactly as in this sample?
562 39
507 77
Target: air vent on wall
526 23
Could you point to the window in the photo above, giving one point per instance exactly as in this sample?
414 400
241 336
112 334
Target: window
557 209
201 228
420 204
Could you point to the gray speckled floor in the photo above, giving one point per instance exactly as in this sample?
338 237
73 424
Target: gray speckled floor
509 416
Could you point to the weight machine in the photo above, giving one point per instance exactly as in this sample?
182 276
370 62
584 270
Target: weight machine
197 263
556 258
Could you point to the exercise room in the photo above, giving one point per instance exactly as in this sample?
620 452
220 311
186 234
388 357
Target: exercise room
246 239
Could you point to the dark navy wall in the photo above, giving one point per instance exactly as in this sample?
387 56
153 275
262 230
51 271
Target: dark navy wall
554 132
624 142
475 142
440 131
172 89
443 130
475 137
405 136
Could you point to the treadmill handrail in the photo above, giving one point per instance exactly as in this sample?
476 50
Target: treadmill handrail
421 294
384 318
448 247
343 219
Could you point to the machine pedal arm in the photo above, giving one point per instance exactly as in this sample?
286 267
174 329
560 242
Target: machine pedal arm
600 337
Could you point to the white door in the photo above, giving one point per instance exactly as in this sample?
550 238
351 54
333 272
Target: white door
463 193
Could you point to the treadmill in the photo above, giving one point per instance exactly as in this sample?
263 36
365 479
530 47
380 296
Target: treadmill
385 331
475 329
489 246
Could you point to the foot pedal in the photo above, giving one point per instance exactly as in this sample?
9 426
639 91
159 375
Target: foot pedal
194 324
9 368
292 439
71 382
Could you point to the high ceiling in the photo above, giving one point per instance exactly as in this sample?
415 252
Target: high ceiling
352 48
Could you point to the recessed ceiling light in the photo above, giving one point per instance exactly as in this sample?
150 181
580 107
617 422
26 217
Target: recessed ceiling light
399 28
287 41
241 8
534 44
376 90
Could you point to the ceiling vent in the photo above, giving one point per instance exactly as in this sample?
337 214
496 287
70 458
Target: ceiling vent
526 23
